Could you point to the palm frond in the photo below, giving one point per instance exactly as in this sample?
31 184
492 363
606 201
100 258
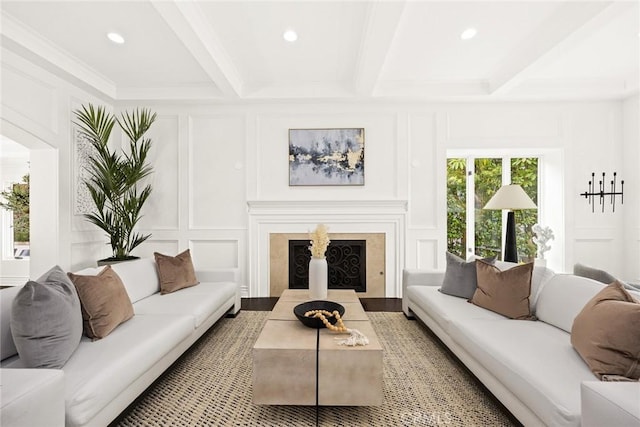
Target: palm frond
114 176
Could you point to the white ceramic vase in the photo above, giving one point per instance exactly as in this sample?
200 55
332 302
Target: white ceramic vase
318 274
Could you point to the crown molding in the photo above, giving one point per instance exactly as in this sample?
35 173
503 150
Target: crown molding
44 50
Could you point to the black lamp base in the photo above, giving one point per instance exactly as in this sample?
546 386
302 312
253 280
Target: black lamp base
510 248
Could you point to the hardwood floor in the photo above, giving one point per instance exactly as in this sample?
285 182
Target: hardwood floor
369 304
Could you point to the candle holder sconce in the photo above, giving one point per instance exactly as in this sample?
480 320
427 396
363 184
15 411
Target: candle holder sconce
601 193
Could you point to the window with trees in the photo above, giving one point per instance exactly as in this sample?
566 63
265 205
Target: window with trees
15 201
471 182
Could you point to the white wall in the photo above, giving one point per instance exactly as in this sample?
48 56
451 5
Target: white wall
211 159
36 112
631 156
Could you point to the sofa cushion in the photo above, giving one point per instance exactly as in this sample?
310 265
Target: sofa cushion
539 278
533 360
505 292
610 404
606 333
8 347
103 370
200 301
460 279
139 276
32 397
175 272
105 302
46 323
593 273
443 308
563 297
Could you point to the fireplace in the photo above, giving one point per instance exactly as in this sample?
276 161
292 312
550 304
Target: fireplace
272 223
346 260
359 261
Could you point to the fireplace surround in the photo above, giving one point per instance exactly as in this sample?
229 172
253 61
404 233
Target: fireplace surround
344 217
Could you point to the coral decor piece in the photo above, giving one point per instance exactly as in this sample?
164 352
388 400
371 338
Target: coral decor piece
543 235
319 240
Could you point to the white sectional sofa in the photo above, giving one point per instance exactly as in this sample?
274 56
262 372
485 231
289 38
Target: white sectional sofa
103 377
530 366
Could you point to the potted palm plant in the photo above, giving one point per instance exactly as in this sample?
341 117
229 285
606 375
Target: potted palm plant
115 176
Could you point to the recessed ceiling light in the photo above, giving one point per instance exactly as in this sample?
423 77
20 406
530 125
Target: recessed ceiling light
290 36
469 33
115 37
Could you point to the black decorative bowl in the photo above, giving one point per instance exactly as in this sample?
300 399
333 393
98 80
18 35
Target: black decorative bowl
314 322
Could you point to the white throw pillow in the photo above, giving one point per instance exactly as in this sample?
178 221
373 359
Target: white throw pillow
140 278
562 297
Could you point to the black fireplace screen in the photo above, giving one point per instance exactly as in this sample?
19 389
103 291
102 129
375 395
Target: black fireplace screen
346 260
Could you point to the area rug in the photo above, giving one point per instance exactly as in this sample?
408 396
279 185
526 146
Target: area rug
211 385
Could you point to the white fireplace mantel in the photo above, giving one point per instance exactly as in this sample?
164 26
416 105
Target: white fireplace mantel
284 207
341 216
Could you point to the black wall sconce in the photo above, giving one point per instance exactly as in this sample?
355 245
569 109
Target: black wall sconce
589 195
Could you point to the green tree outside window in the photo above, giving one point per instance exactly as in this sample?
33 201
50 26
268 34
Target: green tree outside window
17 201
488 223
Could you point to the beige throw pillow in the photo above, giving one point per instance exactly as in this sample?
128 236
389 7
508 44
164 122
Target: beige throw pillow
175 272
505 292
606 333
104 301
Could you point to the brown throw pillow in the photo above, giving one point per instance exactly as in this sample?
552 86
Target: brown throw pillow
104 302
175 272
606 333
505 292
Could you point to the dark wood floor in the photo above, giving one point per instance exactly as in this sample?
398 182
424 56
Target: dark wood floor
369 304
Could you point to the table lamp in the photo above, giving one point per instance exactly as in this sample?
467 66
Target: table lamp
511 197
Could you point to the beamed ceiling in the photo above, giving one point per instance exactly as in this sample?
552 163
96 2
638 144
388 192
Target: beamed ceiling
408 50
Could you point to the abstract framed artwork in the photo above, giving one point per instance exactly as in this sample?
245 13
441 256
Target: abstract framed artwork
326 156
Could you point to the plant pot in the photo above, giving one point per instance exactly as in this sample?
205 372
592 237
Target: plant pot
112 260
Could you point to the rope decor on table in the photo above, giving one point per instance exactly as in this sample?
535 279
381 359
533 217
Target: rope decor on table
355 336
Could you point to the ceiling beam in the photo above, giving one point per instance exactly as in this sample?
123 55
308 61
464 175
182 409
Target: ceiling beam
381 26
570 25
187 21
51 56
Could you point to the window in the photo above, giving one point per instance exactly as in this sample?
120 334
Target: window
15 220
471 182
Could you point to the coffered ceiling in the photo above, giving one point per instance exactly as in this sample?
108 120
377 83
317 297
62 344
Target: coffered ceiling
234 50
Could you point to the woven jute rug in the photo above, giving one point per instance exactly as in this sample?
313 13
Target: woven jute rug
211 385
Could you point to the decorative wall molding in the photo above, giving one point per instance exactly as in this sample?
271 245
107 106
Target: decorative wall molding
295 207
340 216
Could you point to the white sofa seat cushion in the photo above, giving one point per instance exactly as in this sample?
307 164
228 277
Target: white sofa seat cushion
199 301
445 308
100 370
31 397
534 360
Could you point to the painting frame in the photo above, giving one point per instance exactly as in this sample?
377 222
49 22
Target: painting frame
326 157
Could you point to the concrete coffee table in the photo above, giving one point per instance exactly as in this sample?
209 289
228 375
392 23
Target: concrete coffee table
288 357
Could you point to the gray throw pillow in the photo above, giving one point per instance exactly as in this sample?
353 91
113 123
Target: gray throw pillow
460 278
46 321
593 273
